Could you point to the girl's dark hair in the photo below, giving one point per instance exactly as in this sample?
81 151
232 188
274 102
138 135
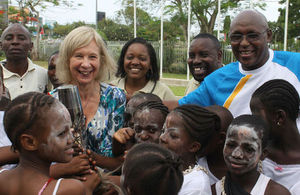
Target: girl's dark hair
200 123
22 113
152 73
137 100
153 105
259 125
146 97
151 169
279 94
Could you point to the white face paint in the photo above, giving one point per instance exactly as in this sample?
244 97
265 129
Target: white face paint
242 149
59 140
148 125
175 136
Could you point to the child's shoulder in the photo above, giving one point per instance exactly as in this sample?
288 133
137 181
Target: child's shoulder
274 188
71 186
8 181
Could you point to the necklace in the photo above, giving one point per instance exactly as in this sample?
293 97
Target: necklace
222 186
197 167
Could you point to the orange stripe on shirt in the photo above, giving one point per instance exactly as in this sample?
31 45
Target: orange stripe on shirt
237 89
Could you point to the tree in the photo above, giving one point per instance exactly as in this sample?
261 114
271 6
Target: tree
63 30
293 19
115 31
148 26
226 27
204 12
35 6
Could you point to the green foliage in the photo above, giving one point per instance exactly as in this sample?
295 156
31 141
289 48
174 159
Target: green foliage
127 13
148 27
293 27
227 22
2 24
178 68
115 31
293 19
102 34
63 30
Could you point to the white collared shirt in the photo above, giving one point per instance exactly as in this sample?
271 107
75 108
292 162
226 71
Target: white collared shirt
160 89
34 79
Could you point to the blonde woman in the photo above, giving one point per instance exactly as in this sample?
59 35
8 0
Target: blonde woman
85 62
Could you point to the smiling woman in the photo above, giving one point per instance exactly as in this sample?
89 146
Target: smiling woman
84 61
138 70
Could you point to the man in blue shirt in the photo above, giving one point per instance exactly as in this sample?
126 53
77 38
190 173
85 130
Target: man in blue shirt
232 85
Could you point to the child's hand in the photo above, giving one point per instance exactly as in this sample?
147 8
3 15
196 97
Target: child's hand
79 165
124 135
91 159
77 149
91 182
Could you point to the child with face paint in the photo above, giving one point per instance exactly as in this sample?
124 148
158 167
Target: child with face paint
187 130
145 125
246 141
277 101
38 126
133 104
150 169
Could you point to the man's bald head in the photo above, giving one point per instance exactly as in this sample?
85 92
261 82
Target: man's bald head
249 38
15 26
247 15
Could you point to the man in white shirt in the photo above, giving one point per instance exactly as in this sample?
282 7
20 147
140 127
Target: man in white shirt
20 74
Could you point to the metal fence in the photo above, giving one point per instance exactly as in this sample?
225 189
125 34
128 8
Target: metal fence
174 53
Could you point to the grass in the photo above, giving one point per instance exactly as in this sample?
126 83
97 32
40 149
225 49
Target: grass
177 90
42 63
175 76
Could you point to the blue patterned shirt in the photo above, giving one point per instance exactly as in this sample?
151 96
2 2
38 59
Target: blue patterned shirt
107 120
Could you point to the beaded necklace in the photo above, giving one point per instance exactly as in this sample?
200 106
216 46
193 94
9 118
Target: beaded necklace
197 167
222 186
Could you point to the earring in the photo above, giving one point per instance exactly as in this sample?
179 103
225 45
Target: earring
278 123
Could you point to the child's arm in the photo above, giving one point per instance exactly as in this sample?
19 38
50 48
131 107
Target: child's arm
7 156
78 166
110 163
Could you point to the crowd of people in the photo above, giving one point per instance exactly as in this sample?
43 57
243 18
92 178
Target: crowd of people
235 131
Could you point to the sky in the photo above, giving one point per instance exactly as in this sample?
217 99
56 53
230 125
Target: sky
87 12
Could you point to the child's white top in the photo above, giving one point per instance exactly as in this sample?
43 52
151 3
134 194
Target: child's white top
286 175
258 189
203 162
4 141
195 182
